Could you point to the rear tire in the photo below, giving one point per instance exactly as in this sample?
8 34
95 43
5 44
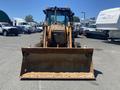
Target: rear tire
5 33
16 34
111 40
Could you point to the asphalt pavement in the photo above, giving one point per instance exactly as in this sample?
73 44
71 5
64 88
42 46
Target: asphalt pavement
106 59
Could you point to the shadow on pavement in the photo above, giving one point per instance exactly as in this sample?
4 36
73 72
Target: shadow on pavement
98 38
96 73
112 42
79 36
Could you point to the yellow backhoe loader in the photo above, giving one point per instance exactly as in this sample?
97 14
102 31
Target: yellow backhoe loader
57 56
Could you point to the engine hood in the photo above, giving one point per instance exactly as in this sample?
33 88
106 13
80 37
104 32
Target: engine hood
57 27
9 27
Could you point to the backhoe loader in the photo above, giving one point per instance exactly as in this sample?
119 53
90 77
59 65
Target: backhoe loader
57 56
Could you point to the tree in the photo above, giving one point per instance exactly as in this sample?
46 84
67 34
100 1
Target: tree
76 19
29 18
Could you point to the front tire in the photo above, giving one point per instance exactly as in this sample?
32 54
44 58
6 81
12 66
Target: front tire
5 33
111 40
16 34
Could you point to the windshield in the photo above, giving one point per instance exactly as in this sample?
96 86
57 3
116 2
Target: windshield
5 24
23 23
92 26
59 19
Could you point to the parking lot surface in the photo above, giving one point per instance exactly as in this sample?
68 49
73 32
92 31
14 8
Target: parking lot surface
106 59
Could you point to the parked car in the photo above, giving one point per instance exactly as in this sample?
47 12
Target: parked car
25 26
97 34
82 30
20 29
7 29
27 29
39 28
91 28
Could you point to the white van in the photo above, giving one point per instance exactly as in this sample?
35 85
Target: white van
19 22
109 20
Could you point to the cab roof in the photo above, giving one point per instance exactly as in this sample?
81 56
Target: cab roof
60 9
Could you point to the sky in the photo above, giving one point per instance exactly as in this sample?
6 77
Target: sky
21 8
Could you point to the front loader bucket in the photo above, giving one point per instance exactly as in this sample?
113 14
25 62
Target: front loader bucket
57 63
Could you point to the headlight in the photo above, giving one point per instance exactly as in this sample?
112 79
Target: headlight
25 28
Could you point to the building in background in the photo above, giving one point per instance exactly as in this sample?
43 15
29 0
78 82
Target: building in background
4 17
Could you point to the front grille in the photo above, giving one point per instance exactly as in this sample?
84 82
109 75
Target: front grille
59 37
13 30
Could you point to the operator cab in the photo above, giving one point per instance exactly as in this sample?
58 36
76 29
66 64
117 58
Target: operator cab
57 19
56 15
